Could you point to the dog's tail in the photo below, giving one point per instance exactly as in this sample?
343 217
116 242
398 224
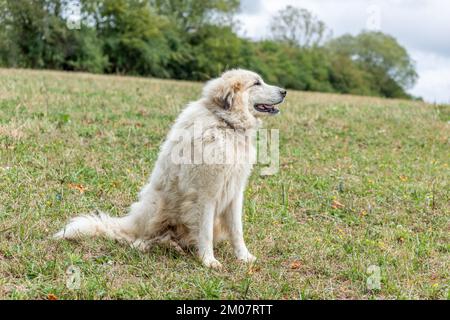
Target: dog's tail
100 224
143 220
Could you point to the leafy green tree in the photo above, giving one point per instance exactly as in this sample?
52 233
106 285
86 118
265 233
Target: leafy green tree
36 36
379 54
132 36
347 77
85 52
292 67
191 15
28 28
217 49
8 49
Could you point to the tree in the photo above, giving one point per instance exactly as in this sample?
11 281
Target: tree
191 15
8 49
379 54
216 49
292 67
132 36
34 34
26 25
347 77
201 38
298 27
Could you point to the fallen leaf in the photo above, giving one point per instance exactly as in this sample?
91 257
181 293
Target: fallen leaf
78 187
337 205
403 178
252 269
296 265
51 296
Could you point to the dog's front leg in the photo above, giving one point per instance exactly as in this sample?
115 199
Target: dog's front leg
234 221
206 237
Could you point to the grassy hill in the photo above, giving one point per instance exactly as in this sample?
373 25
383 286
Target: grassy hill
363 181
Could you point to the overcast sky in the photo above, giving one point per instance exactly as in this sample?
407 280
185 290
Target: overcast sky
422 26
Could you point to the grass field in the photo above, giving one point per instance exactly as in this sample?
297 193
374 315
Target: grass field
363 182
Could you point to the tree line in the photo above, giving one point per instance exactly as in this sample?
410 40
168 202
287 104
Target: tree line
197 40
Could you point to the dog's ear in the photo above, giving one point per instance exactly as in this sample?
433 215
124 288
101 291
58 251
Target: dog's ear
223 93
227 101
230 95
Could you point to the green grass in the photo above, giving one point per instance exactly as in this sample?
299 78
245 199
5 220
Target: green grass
385 161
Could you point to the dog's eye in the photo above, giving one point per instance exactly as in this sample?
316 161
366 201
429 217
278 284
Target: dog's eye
257 83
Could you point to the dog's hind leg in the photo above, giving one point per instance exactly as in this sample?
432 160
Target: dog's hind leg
166 240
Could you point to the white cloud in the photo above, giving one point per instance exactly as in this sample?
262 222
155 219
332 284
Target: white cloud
423 27
434 81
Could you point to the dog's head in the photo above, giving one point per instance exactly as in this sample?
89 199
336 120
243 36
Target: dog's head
242 96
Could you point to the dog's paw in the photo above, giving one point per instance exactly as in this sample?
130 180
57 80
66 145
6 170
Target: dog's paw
141 245
247 258
212 263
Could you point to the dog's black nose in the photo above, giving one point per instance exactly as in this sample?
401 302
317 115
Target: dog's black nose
283 92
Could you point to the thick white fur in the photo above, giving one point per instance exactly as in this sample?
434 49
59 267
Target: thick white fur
194 204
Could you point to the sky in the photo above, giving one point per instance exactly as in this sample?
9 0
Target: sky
421 26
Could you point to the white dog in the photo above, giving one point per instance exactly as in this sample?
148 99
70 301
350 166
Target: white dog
193 203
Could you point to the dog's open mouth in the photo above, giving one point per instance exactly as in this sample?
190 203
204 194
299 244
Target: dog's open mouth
266 108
